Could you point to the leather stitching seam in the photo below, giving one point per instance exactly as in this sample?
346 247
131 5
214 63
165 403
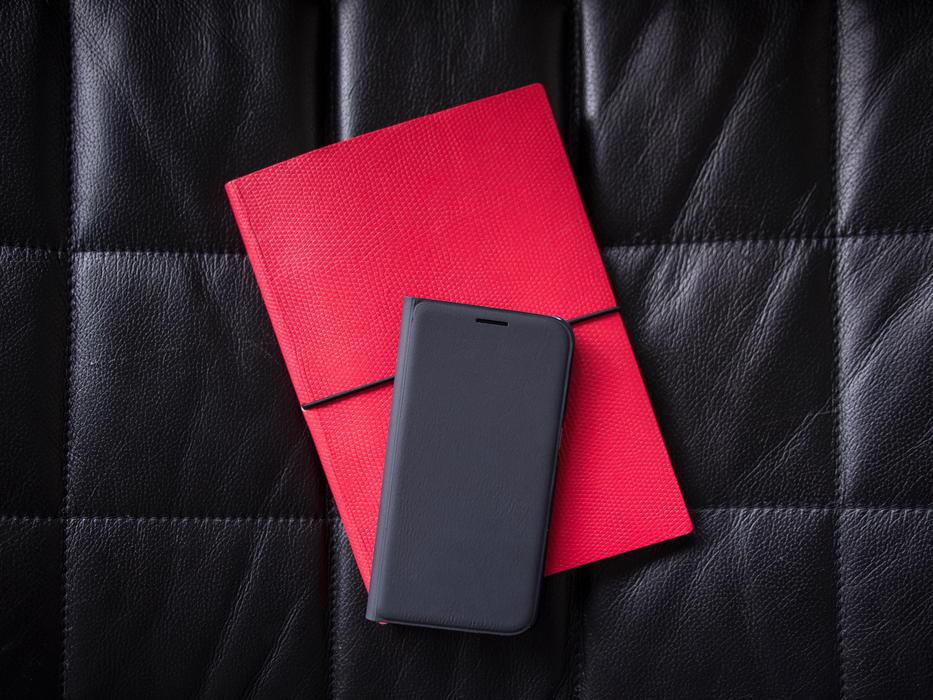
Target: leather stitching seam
160 519
332 554
854 234
836 302
333 518
69 340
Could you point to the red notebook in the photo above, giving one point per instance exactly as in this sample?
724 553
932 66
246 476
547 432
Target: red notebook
477 205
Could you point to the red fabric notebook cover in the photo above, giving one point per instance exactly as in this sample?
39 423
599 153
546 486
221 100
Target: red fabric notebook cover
475 204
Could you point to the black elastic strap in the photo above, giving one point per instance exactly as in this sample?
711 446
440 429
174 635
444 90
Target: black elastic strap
385 380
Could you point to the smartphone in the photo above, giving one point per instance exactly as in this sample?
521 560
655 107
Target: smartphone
471 457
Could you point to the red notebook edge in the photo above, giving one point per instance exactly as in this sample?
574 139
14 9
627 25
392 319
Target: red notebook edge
289 354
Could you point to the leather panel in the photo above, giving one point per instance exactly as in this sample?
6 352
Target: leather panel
748 596
885 602
34 123
170 102
885 164
216 608
32 363
150 330
706 121
30 618
886 308
736 343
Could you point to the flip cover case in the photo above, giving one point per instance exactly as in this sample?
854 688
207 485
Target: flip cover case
470 461
475 204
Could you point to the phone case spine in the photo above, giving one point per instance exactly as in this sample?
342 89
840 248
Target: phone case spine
383 534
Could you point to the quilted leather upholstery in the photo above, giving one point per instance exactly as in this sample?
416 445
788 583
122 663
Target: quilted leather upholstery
758 175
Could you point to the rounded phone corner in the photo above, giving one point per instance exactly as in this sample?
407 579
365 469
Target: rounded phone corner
522 625
565 326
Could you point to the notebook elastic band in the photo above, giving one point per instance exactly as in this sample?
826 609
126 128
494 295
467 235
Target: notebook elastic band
385 380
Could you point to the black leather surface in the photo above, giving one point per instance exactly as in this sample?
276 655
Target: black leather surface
759 177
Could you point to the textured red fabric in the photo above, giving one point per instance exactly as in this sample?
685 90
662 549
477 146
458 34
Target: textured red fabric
475 204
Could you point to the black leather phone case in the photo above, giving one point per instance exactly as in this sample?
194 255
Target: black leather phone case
470 464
